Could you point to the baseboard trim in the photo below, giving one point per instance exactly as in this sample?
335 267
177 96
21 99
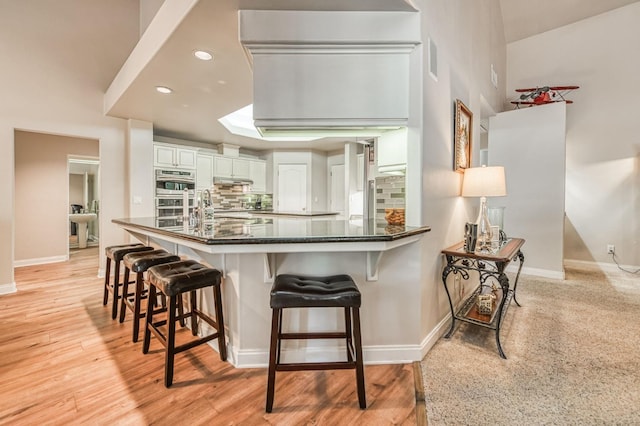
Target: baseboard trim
604 266
536 272
387 354
40 261
391 354
438 331
8 288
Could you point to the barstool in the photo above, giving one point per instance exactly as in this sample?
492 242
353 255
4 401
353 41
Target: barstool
295 291
115 254
138 263
173 280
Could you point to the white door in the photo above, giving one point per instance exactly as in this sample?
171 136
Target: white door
336 203
292 187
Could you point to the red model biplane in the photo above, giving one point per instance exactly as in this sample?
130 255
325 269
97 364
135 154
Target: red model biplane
543 95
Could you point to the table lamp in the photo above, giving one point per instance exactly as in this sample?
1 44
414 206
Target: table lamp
484 182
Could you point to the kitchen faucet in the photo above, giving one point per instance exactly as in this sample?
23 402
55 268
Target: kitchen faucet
207 206
203 211
209 200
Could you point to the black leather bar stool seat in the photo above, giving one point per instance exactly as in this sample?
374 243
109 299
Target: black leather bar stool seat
173 280
115 254
297 291
138 263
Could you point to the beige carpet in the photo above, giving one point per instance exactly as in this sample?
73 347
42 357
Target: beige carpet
573 353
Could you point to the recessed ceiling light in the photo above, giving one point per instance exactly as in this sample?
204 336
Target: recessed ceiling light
163 89
202 54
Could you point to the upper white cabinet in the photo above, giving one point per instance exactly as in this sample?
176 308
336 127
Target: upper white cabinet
258 174
169 156
204 170
391 150
222 166
240 168
227 167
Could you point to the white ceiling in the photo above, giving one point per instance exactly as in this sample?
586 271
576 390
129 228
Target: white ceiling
206 91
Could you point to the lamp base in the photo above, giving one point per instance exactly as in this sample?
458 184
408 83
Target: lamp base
484 229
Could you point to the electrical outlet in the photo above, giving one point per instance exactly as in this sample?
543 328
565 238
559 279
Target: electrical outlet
611 249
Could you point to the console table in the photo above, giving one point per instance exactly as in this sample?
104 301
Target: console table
490 268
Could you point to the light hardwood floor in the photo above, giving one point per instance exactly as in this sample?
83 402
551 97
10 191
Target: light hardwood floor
64 361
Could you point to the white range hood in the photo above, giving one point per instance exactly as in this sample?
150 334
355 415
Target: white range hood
394 170
329 73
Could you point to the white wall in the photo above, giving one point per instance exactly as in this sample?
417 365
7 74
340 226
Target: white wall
54 87
318 181
141 180
603 152
469 37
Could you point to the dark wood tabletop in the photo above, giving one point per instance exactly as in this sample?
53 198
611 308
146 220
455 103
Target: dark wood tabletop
506 253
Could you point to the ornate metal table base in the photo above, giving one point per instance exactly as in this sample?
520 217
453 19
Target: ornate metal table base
490 268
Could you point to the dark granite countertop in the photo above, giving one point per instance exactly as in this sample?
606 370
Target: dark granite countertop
277 230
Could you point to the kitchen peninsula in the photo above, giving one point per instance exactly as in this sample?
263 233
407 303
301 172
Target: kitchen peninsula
250 251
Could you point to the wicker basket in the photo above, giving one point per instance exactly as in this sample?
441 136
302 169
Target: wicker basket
394 216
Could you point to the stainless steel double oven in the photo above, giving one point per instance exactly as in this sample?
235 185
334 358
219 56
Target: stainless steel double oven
170 185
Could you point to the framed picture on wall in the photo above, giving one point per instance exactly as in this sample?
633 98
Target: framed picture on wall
462 137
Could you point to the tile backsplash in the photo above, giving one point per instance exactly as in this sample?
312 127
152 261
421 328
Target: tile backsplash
390 192
233 197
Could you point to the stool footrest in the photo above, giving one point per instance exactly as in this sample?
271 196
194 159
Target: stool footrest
155 329
206 318
315 335
300 366
195 343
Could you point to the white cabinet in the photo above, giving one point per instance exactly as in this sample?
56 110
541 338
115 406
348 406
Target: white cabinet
204 171
392 151
186 158
258 174
240 168
173 157
227 167
222 166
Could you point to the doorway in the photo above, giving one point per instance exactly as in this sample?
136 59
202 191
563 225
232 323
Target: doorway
84 201
42 206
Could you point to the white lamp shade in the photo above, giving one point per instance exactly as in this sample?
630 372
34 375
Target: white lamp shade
484 182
